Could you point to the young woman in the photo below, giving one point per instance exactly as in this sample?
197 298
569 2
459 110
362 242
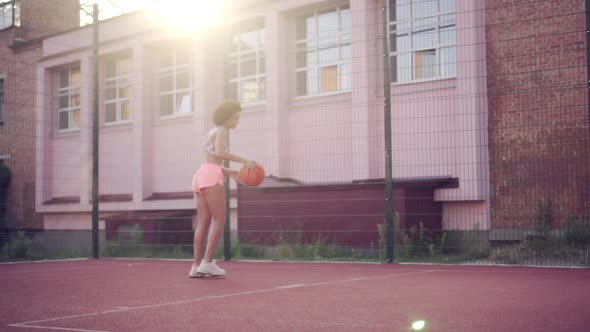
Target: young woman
208 187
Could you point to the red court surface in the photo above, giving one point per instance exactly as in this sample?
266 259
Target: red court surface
157 295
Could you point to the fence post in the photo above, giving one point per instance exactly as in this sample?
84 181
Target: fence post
95 133
387 131
588 54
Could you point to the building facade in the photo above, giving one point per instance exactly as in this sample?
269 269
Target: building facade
23 25
539 124
310 78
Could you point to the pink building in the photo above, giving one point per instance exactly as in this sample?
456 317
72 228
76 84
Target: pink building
310 77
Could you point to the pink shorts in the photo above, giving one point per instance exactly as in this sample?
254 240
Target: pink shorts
207 175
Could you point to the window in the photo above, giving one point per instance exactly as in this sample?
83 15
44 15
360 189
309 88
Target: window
422 39
175 82
9 14
323 52
117 100
1 101
247 64
69 99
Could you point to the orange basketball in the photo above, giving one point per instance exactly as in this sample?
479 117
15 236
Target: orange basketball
252 176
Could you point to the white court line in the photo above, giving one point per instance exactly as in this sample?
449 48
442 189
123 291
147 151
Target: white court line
25 324
497 265
290 286
45 261
53 328
508 272
44 271
211 297
83 268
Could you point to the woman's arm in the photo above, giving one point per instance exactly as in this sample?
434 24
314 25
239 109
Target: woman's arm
232 174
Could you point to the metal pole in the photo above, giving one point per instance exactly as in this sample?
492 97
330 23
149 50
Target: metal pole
387 124
95 133
13 12
227 227
588 55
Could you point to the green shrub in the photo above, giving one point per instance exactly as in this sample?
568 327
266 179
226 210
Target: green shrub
111 249
137 234
542 239
576 233
19 247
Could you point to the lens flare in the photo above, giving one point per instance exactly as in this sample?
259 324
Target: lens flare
188 16
418 325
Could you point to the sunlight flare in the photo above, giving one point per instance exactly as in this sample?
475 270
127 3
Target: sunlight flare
418 325
189 16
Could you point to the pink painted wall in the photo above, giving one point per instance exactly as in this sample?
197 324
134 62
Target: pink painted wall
438 126
65 176
116 172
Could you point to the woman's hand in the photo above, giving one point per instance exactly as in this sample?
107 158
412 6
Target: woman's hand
250 163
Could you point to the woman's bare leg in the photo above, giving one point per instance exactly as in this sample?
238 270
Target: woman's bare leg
216 202
203 223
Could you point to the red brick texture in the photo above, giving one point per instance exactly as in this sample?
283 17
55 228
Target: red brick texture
18 67
538 110
42 17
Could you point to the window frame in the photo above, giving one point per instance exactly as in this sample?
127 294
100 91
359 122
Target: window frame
412 51
236 57
70 91
117 79
174 71
344 39
14 17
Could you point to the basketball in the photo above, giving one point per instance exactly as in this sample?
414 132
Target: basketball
252 176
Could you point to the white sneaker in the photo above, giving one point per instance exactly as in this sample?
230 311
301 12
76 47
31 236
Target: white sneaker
194 272
210 269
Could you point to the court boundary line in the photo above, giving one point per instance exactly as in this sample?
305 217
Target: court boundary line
104 259
502 268
439 267
47 261
54 328
199 299
565 267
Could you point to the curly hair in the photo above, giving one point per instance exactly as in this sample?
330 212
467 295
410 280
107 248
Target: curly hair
224 111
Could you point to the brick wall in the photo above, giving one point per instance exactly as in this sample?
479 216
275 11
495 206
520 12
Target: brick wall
538 110
43 17
18 67
17 135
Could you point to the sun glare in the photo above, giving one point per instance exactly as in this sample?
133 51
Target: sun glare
189 16
418 325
